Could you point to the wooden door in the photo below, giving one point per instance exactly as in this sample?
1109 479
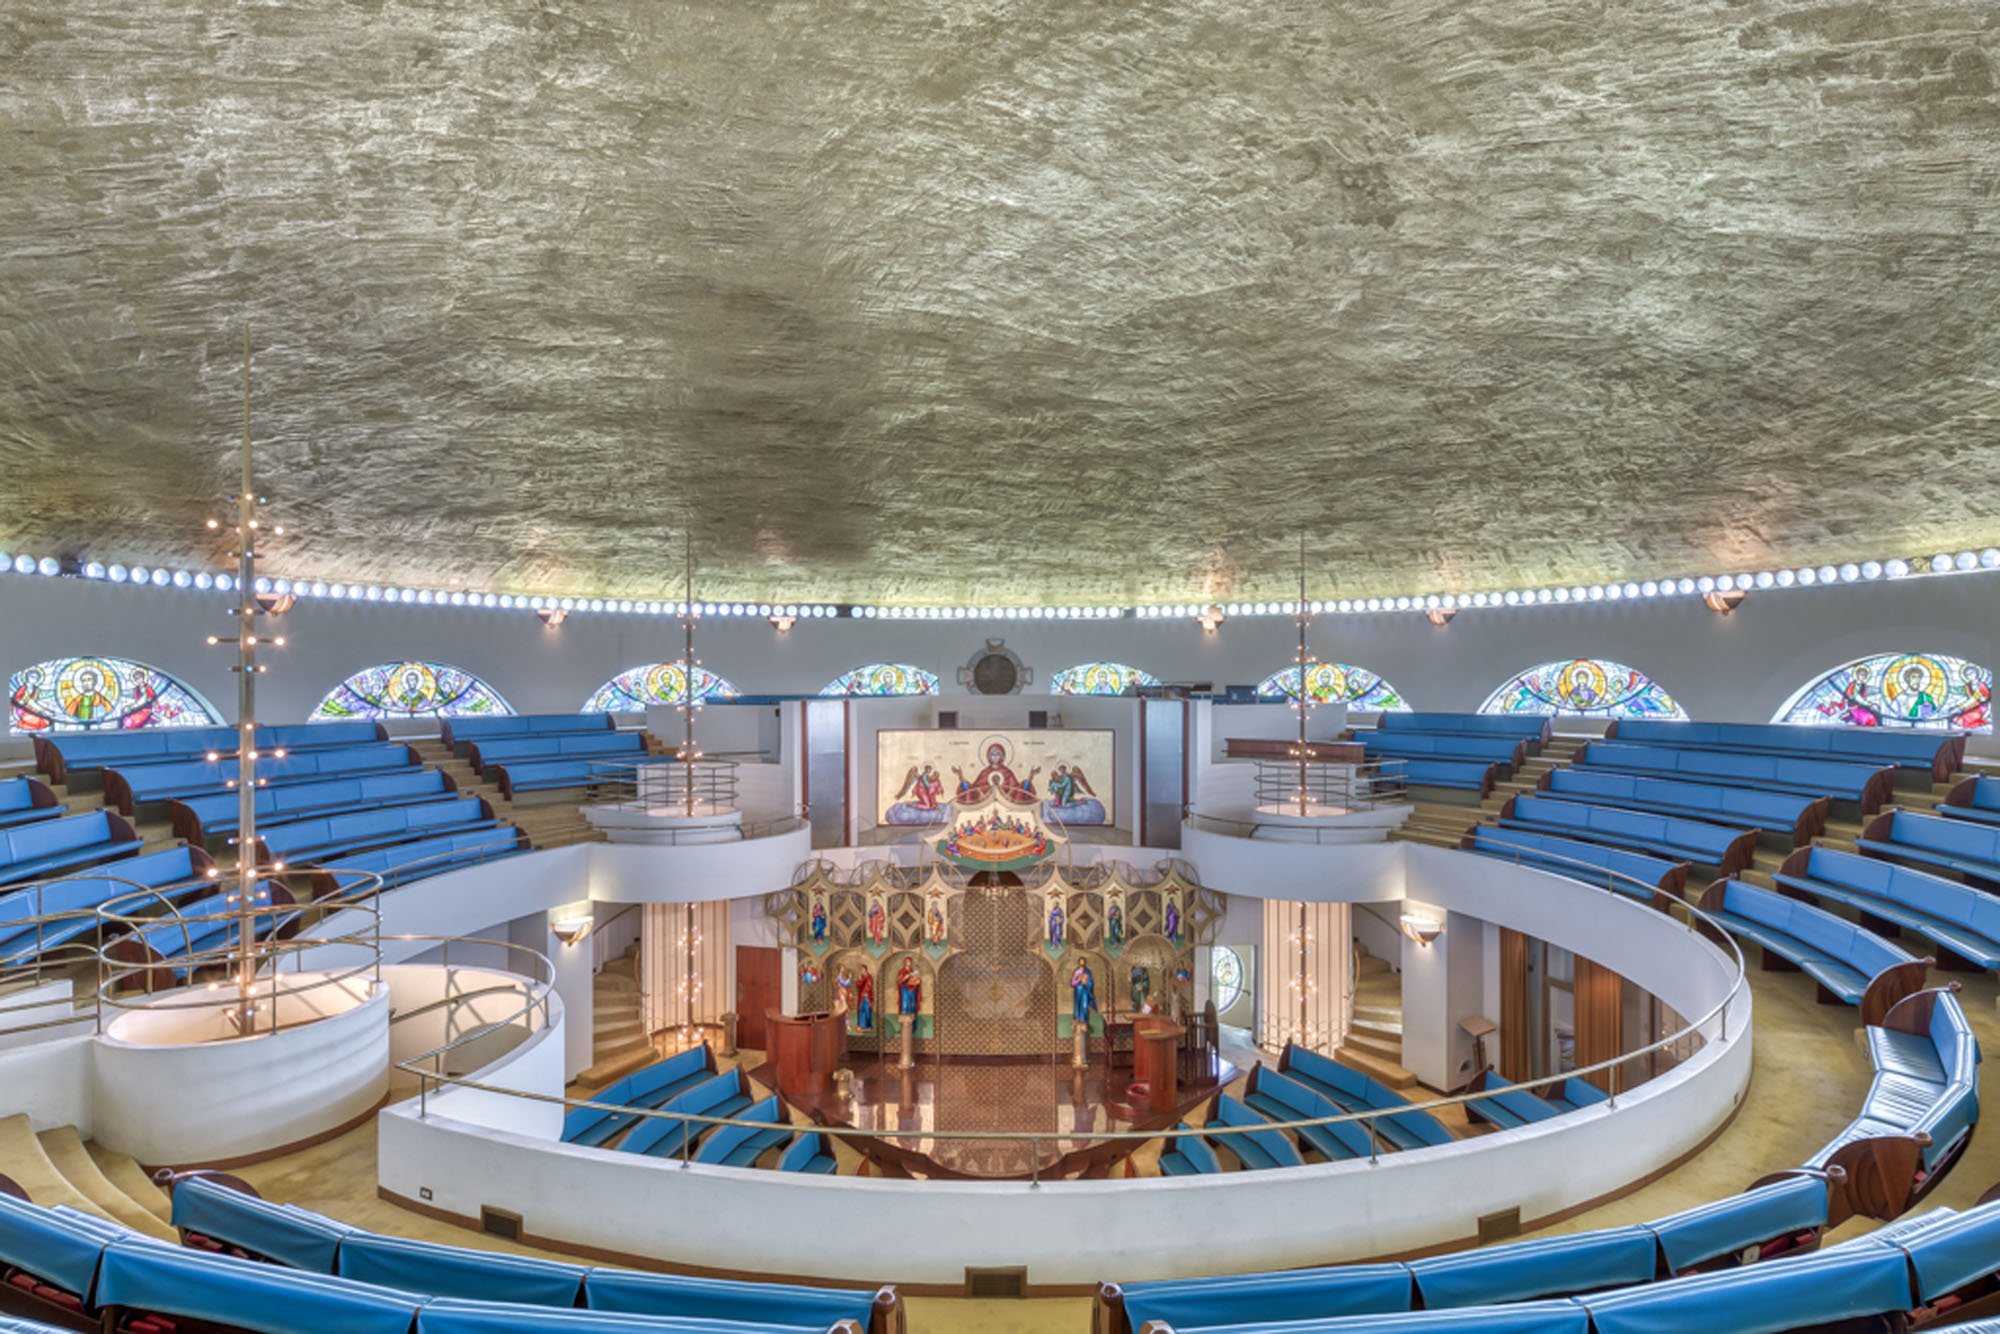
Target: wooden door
758 988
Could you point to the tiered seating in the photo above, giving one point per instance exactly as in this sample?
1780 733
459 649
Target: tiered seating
1973 799
50 847
1188 1155
132 785
654 1086
65 753
460 733
517 776
1799 819
405 863
1963 921
330 837
1284 1099
199 819
743 1145
1577 860
1963 847
176 873
1851 965
811 1153
183 933
1351 1091
26 800
1773 1218
1935 754
488 752
1866 785
1573 1094
721 1095
1465 775
1507 1107
1255 1149
1728 849
1507 752
1534 730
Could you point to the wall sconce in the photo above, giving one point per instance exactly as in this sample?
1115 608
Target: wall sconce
552 617
1723 603
783 623
1209 619
1422 929
569 930
1440 616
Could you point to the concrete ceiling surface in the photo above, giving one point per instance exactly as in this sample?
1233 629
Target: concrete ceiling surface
949 301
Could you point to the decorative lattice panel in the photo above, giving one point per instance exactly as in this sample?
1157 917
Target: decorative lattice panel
997 995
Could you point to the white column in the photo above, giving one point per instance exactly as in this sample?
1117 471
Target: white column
1443 982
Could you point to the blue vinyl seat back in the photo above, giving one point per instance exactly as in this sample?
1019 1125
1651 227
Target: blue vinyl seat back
217 811
1299 1294
809 1152
292 1237
385 824
452 1271
1740 807
1847 781
678 1297
1254 1146
1345 1086
18 794
174 1281
1519 726
429 856
639 1089
1294 1101
725 1140
666 1133
157 782
1543 1267
1951 838
93 750
458 731
1574 857
1777 1209
1445 745
456 1315
1955 1251
1985 795
1546 1317
1838 1284
64 1251
320 736
25 844
1913 750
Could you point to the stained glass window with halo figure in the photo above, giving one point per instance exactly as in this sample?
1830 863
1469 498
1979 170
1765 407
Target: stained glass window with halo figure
101 694
1336 683
654 685
411 689
883 679
1584 687
1925 691
1100 678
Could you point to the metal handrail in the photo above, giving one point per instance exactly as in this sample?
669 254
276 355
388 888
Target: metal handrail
1352 786
1717 1014
535 994
666 780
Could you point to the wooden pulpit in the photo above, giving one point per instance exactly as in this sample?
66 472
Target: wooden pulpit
805 1050
1155 1047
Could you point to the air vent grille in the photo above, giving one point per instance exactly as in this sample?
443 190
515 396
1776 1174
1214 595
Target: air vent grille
996 1282
499 1222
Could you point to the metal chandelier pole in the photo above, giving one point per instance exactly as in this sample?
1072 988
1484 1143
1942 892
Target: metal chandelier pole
688 753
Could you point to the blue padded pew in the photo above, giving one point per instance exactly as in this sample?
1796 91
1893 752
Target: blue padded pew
459 733
1798 819
406 863
1933 753
1852 965
1867 785
1920 1110
51 847
1282 1098
660 1137
128 787
654 1086
175 872
1974 799
1352 1091
1506 1107
1960 846
1507 752
1256 1149
742 1146
170 939
1729 850
1534 729
328 836
143 1276
199 819
26 800
517 776
1964 922
454 1315
810 1153
58 756
451 1271
672 1296
1188 1155
1579 860
1461 775
556 746
1572 1095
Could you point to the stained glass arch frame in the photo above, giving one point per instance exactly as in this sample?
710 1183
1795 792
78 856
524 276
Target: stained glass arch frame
654 685
411 688
1909 691
1336 683
882 680
1583 688
1100 678
102 693
1226 979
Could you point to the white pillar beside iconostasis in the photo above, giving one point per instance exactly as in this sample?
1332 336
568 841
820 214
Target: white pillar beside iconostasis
1302 975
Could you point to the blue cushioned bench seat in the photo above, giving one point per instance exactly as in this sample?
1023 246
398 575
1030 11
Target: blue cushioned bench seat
26 800
213 1214
1286 1295
1534 729
515 776
1770 1218
1507 752
1255 1149
1866 785
175 936
58 1253
1188 1155
1963 920
659 1137
555 746
1728 849
175 872
1282 1098
810 1153
1463 775
454 1315
1974 799
1505 1106
453 1271
458 733
198 819
61 756
325 836
1579 860
131 786
675 1297
142 1276
1352 1091
1572 1094
1842 957
1552 1317
1932 753
657 1084
50 847
408 862
742 1146
1543 1267
1837 1284
1798 819
1965 847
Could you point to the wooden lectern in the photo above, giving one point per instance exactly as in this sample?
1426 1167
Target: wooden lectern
1155 1051
805 1050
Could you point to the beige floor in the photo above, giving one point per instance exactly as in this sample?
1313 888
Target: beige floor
1810 1076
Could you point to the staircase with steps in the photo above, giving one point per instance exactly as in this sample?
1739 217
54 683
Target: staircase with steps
57 1167
1374 1042
620 1043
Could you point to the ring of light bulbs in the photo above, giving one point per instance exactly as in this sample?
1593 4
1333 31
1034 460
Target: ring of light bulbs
1803 576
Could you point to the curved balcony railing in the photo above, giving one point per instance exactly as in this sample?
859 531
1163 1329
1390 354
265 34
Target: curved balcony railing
1323 786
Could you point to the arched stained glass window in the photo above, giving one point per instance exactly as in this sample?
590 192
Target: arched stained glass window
1916 690
411 689
1336 683
653 684
1589 687
883 678
102 695
1099 678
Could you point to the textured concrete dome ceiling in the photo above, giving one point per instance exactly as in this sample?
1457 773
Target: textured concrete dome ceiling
945 301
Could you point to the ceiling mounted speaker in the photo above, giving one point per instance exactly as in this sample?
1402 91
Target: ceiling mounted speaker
995 670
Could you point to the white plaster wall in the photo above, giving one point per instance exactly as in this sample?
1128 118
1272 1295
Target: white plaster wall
1316 873
50 1083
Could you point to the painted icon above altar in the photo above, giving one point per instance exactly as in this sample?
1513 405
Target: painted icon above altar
1002 834
1068 773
